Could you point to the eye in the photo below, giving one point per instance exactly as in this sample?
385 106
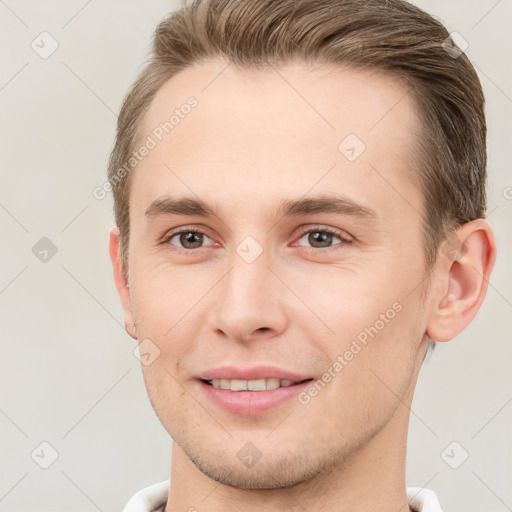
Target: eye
322 238
187 239
316 238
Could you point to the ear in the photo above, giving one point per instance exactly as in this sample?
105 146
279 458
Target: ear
464 268
121 282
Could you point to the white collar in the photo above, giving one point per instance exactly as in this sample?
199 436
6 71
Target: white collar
154 498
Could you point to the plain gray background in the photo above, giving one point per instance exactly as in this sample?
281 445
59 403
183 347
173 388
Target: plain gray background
68 376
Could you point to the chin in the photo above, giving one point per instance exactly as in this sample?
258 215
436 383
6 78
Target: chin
273 470
272 475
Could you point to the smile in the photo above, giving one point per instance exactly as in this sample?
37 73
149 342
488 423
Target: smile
251 397
251 385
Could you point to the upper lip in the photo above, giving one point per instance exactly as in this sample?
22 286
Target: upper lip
254 373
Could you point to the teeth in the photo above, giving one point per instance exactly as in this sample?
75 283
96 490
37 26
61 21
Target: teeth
251 385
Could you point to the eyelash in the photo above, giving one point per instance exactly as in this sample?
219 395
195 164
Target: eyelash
314 229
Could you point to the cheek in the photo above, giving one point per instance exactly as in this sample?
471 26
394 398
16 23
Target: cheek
377 326
166 309
369 377
351 301
166 297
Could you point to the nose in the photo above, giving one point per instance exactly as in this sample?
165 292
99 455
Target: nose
248 302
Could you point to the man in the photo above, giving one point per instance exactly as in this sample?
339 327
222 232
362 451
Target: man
299 195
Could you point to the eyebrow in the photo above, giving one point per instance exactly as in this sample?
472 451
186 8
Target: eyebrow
190 206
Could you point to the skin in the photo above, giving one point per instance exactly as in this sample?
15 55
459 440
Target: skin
252 142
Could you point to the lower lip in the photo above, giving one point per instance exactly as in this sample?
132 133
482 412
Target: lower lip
252 402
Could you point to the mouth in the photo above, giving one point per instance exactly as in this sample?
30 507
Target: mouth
252 385
251 397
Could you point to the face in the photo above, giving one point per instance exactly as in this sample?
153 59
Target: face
278 223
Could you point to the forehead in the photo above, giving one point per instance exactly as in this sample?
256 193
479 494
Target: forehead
277 131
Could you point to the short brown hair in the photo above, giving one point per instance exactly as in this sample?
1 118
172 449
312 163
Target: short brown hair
393 36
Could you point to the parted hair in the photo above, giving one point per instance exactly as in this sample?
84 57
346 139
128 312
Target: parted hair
392 36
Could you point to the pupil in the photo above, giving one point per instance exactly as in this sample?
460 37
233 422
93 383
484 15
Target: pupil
191 240
325 239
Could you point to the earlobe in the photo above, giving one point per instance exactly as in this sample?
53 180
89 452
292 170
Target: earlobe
464 273
121 282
